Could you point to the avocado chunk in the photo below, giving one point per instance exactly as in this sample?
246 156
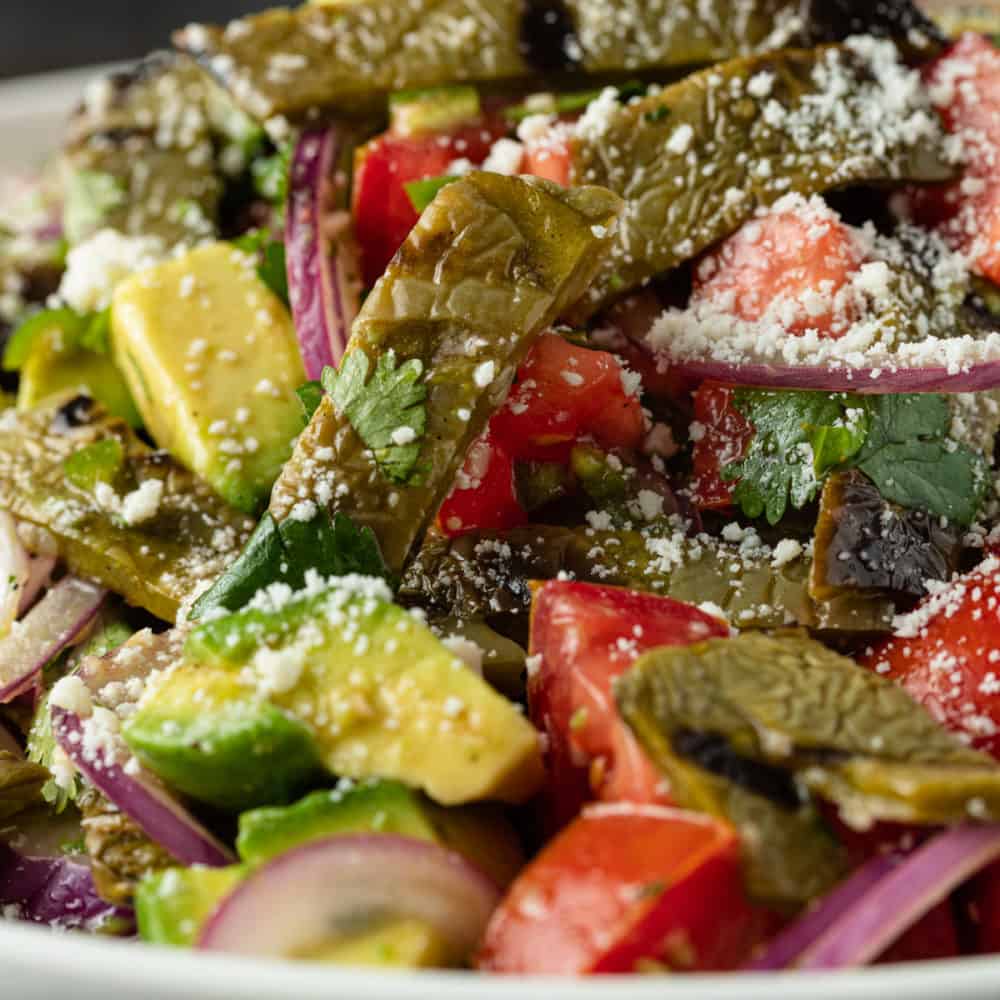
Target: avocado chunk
381 696
211 736
55 365
172 906
480 832
412 112
210 355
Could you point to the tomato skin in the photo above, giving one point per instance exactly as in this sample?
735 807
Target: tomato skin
967 211
622 884
951 662
725 436
586 635
784 256
383 212
549 155
565 392
490 502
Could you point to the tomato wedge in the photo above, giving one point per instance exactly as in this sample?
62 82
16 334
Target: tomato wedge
383 212
947 655
965 84
721 435
585 635
621 886
548 155
788 265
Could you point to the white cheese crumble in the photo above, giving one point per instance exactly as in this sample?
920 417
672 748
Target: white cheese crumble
469 652
143 503
96 266
71 695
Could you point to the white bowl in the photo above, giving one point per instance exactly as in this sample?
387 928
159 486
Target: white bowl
36 964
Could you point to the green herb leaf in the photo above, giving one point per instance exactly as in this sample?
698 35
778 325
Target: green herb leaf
388 410
422 193
310 396
270 256
271 174
910 457
97 463
799 436
285 553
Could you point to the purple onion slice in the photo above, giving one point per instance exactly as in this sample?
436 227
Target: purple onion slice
52 625
296 903
321 257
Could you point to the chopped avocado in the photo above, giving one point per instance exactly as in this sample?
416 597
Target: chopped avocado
91 197
211 357
172 905
380 694
481 833
412 112
55 365
209 734
398 944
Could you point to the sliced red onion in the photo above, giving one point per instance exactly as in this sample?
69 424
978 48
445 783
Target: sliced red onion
322 282
15 571
319 889
100 755
866 381
57 892
52 625
861 918
791 942
39 574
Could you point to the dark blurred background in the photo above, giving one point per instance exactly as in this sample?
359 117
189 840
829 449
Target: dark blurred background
53 34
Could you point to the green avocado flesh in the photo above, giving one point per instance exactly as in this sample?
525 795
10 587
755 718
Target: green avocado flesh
341 676
172 906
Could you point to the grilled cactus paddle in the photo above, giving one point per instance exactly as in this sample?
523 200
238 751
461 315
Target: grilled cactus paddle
349 55
105 524
488 576
493 261
759 707
671 156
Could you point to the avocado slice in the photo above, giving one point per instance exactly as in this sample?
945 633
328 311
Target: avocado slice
155 563
234 751
211 357
55 365
480 832
172 906
492 262
380 695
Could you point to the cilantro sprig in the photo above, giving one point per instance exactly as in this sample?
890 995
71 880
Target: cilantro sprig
901 442
388 410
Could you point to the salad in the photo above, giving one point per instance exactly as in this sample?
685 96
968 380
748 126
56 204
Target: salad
511 486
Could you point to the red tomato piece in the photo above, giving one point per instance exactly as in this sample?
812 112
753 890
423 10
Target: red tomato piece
788 265
585 636
485 496
721 437
549 155
965 84
383 212
947 655
563 393
623 884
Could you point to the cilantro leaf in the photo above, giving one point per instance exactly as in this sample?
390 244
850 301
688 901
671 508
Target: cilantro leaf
910 457
284 553
270 256
387 411
89 331
799 437
310 396
271 176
